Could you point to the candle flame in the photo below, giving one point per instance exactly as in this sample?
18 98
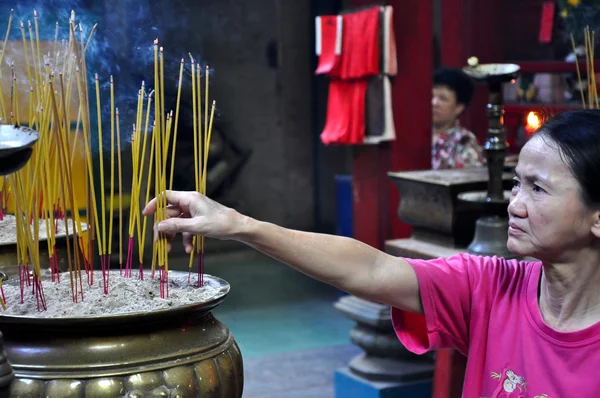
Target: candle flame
533 121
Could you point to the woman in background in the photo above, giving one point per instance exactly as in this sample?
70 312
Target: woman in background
453 146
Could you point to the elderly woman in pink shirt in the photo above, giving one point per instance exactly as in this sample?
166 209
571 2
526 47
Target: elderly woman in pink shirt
529 329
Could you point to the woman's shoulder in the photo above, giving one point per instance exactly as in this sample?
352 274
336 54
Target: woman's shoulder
478 270
495 263
465 136
489 261
489 267
500 274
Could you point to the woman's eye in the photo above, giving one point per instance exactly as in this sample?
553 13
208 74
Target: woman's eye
537 189
516 184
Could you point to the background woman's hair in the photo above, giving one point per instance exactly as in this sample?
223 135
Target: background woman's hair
577 134
457 81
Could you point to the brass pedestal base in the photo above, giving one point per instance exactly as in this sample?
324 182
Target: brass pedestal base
6 373
491 234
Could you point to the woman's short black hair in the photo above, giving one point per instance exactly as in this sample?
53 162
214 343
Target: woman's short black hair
457 81
577 134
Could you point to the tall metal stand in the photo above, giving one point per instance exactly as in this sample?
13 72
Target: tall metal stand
491 232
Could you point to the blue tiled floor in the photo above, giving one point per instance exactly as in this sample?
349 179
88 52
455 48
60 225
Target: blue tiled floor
284 328
299 374
273 309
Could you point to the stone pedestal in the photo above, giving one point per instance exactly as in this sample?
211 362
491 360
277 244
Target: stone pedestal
348 385
431 205
386 368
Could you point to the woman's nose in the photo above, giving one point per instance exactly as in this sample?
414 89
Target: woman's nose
516 207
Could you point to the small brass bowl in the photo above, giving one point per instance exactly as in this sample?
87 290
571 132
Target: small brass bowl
15 147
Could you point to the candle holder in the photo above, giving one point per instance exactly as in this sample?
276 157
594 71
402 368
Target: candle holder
491 232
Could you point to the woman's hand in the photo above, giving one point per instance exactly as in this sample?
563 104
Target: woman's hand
192 213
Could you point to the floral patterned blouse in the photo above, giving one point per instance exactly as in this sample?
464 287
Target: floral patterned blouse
456 148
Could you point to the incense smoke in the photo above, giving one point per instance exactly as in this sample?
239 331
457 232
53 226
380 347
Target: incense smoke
122 46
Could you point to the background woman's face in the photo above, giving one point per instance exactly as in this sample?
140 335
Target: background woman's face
547 219
444 108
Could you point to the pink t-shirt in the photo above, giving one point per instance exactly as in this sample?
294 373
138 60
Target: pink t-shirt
487 308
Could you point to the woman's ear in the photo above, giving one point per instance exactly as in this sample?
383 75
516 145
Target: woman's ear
596 224
460 108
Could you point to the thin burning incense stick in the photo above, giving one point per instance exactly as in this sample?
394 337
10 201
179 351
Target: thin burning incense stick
142 231
120 174
112 176
176 123
102 191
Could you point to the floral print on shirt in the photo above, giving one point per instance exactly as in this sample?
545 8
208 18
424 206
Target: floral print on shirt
456 148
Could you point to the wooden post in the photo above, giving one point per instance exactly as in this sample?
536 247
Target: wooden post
375 199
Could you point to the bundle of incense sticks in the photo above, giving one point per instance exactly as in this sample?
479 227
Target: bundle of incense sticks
590 84
201 150
43 191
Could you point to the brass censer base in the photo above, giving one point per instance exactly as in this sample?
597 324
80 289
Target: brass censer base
180 352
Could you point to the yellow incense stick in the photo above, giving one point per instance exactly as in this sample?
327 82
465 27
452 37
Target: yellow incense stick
101 161
176 124
120 176
112 165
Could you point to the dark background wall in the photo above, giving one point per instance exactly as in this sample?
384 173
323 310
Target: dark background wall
260 51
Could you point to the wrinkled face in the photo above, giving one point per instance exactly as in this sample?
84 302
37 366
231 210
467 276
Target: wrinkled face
547 218
444 108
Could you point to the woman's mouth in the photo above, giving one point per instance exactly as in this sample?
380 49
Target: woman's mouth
513 229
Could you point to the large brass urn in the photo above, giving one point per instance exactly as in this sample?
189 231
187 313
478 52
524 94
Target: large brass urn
179 352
